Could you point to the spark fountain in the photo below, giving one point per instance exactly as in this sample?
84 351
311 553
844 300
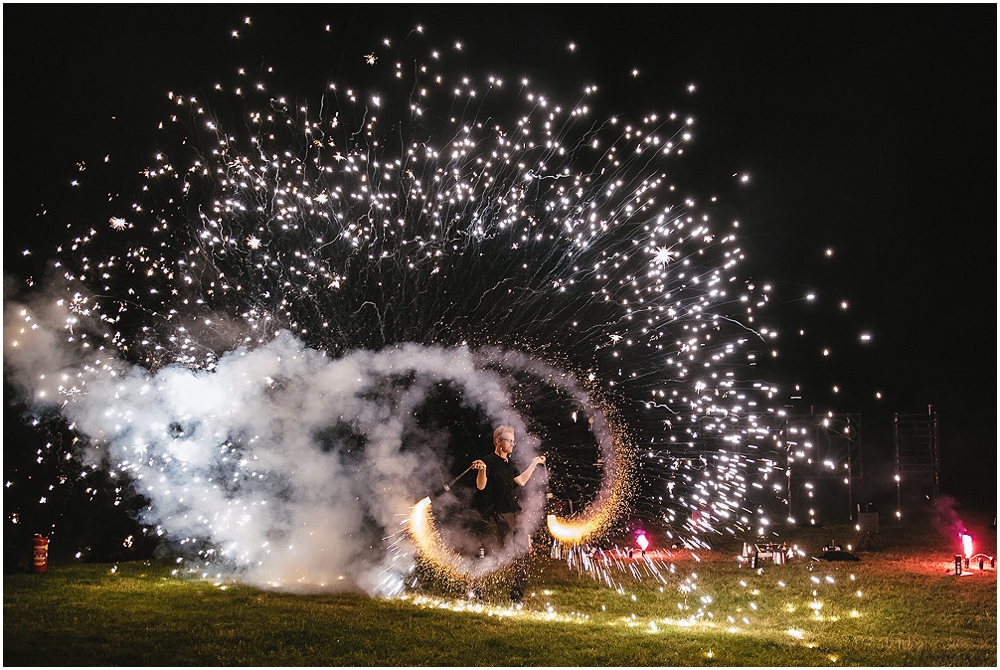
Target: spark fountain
251 336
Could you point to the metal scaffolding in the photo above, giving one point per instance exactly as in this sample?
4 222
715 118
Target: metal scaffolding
916 439
823 453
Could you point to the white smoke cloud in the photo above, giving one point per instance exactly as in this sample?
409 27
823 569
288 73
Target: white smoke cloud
281 463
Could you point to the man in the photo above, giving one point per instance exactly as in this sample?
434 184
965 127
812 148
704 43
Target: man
495 497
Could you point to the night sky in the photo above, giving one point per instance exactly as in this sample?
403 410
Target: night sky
868 130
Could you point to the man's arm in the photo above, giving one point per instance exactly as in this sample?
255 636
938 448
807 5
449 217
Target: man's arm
480 466
523 478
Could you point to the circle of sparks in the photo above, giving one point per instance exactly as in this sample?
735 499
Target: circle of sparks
595 519
446 211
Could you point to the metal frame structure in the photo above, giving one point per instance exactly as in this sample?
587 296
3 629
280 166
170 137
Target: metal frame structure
822 448
916 440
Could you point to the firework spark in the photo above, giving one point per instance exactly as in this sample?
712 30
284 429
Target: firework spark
300 273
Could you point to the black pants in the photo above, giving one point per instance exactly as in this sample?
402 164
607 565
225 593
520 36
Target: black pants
502 528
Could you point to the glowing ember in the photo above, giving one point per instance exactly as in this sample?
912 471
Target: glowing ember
575 530
441 558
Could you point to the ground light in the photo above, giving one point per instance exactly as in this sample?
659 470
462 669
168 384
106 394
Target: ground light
968 555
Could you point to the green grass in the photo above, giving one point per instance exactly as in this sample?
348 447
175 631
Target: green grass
911 611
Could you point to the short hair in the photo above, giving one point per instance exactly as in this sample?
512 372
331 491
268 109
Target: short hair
500 430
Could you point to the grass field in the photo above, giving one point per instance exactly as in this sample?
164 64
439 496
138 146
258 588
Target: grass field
901 606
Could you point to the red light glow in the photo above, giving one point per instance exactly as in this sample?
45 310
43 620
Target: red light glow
966 544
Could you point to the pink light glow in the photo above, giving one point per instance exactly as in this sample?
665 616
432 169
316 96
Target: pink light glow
642 541
966 544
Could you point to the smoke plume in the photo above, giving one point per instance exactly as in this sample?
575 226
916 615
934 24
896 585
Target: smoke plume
280 464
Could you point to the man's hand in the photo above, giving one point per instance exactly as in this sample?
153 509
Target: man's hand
478 465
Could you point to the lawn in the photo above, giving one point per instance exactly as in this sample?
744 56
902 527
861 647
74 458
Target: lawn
901 606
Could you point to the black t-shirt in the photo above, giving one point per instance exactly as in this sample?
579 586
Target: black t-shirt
498 496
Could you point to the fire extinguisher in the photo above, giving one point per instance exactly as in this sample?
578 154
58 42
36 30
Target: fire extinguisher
40 554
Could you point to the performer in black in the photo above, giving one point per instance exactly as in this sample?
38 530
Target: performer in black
495 499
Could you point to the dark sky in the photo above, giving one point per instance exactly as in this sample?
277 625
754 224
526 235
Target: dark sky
871 130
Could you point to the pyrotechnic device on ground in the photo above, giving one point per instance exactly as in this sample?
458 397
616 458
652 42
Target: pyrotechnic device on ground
968 556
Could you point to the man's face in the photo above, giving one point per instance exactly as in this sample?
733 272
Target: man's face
505 443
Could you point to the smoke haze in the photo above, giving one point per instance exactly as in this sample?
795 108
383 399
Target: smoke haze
280 464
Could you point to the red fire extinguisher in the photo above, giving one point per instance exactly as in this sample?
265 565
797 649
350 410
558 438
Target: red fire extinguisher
40 554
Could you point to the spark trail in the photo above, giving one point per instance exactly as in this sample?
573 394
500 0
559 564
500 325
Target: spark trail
251 338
